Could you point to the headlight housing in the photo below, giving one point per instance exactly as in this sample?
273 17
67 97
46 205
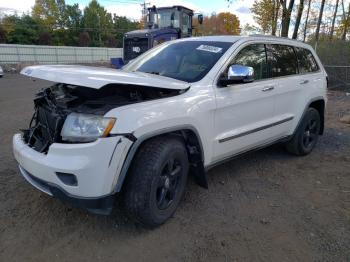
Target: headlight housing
86 127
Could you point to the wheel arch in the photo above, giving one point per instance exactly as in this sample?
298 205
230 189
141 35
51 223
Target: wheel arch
194 148
319 105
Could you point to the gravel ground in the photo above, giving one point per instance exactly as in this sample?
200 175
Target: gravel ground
264 206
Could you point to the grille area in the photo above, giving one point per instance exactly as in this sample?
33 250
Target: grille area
133 47
45 128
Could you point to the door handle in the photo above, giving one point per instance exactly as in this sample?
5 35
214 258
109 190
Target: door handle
268 88
304 82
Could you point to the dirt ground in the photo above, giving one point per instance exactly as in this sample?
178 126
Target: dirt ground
264 206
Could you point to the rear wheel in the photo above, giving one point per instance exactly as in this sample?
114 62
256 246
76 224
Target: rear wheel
306 136
157 180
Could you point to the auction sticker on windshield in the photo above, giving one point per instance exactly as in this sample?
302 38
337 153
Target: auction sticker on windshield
209 48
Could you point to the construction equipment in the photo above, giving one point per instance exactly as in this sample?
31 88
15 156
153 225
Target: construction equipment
163 24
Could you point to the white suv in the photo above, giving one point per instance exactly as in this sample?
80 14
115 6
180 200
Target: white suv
179 109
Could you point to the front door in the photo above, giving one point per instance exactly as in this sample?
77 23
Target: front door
245 111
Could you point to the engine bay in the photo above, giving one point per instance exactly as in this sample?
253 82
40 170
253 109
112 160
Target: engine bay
53 105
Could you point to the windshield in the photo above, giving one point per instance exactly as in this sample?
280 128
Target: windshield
165 18
188 61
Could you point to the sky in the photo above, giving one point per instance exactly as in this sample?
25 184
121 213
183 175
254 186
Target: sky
132 8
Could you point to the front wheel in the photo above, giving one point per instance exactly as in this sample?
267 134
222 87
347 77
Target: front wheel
157 180
306 136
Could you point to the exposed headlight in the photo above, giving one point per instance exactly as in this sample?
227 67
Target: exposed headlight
85 127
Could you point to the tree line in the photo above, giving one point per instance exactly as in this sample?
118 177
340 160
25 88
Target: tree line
310 19
224 23
53 22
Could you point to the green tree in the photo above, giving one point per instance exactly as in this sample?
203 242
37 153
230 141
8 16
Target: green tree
72 23
52 22
121 25
266 14
3 35
22 30
61 5
45 38
84 39
98 22
47 13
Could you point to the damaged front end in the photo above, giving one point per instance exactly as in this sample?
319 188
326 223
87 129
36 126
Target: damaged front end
55 103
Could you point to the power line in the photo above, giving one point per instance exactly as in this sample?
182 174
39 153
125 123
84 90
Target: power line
121 30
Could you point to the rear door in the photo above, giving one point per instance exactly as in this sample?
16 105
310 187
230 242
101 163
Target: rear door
297 76
283 68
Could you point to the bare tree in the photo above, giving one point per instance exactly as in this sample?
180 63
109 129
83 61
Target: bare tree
317 34
286 13
307 19
346 21
333 21
276 8
297 22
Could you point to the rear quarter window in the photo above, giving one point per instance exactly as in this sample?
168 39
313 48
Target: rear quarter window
306 61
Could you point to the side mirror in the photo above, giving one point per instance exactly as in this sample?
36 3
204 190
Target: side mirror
237 74
200 19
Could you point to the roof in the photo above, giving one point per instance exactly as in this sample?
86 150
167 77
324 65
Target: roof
171 7
235 38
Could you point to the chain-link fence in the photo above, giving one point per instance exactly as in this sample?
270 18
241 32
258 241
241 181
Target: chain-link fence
335 56
339 76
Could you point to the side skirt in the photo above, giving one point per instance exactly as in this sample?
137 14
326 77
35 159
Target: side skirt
244 152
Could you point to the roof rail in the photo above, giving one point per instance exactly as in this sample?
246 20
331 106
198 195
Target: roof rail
273 36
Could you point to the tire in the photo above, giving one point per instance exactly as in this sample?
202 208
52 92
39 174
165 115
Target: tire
156 181
306 136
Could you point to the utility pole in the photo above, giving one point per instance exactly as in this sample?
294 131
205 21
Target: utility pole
144 11
144 8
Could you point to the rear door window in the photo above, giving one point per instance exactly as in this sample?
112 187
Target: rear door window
282 60
306 61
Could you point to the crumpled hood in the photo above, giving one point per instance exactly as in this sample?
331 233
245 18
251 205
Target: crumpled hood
97 77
